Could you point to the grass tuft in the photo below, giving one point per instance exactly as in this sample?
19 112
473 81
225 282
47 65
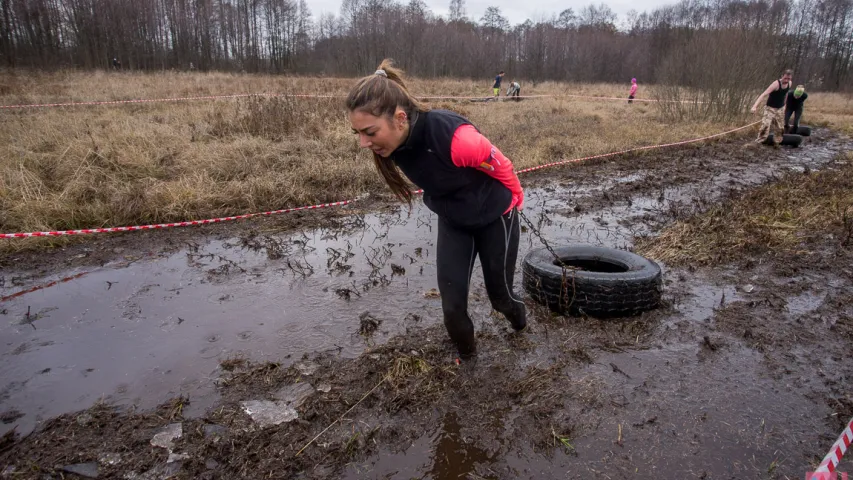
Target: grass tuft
782 217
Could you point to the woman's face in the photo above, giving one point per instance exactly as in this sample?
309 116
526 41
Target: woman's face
382 134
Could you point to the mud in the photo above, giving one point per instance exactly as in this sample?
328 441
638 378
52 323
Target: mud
721 383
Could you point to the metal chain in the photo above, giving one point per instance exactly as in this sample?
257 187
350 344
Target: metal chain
568 281
538 235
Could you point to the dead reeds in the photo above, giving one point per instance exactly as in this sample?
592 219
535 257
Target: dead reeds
781 217
81 167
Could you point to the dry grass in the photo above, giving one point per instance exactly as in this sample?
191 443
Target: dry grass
834 110
405 367
92 166
783 217
24 87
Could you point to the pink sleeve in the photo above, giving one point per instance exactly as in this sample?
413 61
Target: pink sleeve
470 149
633 89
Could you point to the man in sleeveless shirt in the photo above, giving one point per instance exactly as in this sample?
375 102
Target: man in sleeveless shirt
772 122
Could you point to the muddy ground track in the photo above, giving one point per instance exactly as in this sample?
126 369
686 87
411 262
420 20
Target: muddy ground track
723 382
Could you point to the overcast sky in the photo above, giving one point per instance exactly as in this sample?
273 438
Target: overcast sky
516 11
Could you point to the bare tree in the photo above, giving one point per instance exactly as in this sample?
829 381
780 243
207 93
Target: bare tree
457 10
673 44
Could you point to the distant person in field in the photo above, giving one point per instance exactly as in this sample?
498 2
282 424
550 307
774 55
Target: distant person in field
771 121
794 106
497 86
514 90
116 64
466 181
633 90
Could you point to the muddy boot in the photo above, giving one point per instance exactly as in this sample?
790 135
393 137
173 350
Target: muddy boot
518 319
460 329
467 350
467 365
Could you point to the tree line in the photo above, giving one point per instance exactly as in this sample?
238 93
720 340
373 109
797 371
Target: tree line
691 42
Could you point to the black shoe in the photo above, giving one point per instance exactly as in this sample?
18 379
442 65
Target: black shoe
519 320
468 357
468 365
467 351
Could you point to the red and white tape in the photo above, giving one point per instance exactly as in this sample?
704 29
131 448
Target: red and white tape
650 100
309 95
583 97
833 458
60 233
117 102
480 97
43 286
637 149
204 97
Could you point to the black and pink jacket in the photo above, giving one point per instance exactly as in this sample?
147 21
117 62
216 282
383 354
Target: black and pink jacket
465 179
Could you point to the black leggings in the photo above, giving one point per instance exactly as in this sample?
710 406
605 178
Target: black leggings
797 114
497 246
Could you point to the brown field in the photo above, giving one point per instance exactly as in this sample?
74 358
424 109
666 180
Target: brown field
89 166
832 109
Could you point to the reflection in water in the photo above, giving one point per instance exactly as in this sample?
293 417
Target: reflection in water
454 456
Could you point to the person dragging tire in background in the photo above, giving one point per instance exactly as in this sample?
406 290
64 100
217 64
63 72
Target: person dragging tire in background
467 182
633 90
514 90
771 121
794 105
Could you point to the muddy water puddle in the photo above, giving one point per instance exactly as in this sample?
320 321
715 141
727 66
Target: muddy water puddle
676 406
138 330
665 413
160 326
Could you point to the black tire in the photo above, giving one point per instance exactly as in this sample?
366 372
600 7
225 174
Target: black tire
608 282
791 140
804 131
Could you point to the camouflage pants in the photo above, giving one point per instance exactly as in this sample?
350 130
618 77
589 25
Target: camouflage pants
772 122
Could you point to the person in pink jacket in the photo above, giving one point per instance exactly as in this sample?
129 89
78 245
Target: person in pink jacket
633 90
468 182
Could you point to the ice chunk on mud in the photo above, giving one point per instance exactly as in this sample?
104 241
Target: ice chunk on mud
267 413
307 368
164 438
86 470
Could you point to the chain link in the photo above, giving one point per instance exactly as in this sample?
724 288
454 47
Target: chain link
538 235
567 287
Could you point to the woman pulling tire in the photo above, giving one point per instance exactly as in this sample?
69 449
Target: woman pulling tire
467 182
